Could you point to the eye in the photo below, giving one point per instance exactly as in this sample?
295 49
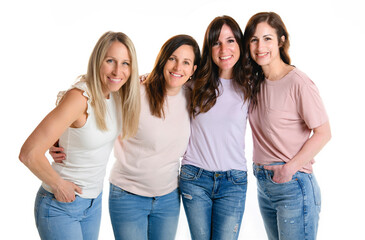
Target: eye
216 44
171 59
109 60
253 40
267 38
231 40
186 62
126 63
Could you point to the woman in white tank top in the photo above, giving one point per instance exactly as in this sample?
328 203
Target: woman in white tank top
87 120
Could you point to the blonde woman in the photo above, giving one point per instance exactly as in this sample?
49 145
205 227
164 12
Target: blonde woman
87 120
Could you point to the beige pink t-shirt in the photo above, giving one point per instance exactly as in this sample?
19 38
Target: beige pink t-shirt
148 164
287 111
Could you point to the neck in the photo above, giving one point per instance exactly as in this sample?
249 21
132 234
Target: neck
173 91
225 74
276 72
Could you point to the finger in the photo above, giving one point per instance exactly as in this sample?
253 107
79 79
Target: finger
78 189
269 168
56 149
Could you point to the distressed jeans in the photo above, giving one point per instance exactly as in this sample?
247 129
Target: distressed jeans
214 202
76 220
290 210
136 217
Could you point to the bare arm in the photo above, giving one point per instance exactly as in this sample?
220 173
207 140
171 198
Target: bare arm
32 153
284 173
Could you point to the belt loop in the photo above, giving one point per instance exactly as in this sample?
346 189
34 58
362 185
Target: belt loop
229 174
200 172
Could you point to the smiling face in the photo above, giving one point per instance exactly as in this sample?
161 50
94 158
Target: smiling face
264 46
179 68
115 69
226 52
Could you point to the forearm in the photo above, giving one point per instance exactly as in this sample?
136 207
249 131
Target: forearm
39 165
310 149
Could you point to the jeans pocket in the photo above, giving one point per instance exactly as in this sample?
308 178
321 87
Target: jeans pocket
316 190
188 172
271 175
116 192
238 177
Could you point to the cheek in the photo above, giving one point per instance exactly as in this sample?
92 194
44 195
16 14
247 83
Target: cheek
128 72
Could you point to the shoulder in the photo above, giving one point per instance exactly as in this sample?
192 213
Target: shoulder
300 78
74 98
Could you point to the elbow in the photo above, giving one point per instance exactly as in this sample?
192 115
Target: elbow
329 134
25 156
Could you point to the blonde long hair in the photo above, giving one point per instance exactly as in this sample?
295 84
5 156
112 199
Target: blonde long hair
128 94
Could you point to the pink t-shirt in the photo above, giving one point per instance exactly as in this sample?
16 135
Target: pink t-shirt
148 163
287 111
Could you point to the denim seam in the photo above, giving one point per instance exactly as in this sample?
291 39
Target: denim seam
305 207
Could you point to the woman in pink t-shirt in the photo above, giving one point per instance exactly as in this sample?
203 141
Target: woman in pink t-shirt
285 110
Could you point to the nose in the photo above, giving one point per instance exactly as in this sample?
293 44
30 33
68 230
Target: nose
177 65
223 47
260 44
117 70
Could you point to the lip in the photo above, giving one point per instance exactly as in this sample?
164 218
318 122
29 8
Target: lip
175 75
225 58
114 80
262 54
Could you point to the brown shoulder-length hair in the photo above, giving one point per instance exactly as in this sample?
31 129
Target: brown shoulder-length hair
155 82
255 75
205 91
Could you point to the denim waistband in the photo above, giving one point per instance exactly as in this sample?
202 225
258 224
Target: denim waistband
260 172
212 174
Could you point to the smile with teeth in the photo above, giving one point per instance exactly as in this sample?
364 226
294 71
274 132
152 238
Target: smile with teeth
175 75
115 79
225 58
262 54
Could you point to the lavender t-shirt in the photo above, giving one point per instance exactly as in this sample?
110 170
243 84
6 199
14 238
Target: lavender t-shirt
217 140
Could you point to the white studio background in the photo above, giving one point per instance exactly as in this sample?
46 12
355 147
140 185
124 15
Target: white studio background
45 45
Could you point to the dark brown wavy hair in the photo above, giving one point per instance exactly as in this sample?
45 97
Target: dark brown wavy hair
255 75
205 91
155 82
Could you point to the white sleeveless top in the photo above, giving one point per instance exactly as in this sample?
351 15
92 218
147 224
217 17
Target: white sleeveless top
88 148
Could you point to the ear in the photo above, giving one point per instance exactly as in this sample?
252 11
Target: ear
194 68
282 41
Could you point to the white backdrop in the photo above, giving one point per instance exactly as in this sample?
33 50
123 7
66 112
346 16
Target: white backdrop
45 45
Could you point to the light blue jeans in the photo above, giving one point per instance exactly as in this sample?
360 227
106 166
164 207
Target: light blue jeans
77 220
214 202
290 210
137 217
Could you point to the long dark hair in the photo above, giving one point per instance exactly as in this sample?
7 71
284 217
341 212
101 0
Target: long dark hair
155 83
255 75
205 91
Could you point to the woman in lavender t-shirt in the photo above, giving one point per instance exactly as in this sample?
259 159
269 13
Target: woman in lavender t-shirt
213 177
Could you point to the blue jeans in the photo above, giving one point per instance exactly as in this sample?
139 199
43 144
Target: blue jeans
290 210
77 220
141 218
214 202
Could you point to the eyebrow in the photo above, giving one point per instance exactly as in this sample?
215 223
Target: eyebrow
126 59
186 59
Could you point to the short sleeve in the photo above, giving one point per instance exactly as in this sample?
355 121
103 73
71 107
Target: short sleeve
79 85
310 105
